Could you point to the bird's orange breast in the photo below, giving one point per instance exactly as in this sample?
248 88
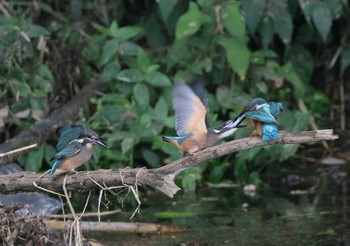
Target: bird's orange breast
257 125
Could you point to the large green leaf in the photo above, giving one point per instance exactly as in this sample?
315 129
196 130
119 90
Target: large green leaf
289 73
322 18
237 55
233 21
166 7
266 31
190 22
35 31
254 10
282 20
160 111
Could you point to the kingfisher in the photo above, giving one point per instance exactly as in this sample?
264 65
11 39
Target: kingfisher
190 121
74 148
270 130
264 116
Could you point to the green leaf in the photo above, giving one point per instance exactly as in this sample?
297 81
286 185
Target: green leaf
130 75
288 72
241 170
143 60
233 21
322 18
157 79
35 31
126 33
254 178
129 49
34 160
282 20
109 50
217 173
266 31
150 157
160 111
190 22
127 144
174 214
166 7
110 71
113 29
237 55
141 94
254 10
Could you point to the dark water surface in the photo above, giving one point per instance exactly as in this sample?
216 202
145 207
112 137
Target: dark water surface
288 210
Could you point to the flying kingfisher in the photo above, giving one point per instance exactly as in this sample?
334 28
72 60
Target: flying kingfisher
190 121
74 148
264 116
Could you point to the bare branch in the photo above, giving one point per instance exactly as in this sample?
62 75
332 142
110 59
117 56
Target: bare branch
159 178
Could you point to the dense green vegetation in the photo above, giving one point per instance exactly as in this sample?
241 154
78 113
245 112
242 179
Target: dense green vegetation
289 51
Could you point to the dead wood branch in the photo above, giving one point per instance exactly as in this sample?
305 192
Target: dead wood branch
161 179
115 227
39 132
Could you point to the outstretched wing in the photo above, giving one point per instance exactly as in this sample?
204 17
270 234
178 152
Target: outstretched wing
189 111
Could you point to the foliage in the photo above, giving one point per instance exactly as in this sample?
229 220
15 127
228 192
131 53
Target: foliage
276 49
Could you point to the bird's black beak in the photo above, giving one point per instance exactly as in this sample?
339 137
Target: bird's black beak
100 143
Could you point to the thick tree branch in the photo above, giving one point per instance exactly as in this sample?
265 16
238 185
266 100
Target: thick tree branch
161 179
38 133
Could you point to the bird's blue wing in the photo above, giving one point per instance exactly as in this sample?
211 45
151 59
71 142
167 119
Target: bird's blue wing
270 132
262 114
71 149
67 135
189 111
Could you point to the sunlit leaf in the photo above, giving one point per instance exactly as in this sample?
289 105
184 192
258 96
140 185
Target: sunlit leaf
190 22
254 10
322 18
130 75
233 21
237 55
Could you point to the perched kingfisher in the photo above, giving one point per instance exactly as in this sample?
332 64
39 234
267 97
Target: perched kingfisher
190 121
270 130
264 116
74 148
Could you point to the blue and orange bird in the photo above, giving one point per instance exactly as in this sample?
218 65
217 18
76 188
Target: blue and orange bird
264 116
190 122
74 148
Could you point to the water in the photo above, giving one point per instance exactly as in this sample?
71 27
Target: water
288 210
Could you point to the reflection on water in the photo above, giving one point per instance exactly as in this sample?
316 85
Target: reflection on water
289 210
